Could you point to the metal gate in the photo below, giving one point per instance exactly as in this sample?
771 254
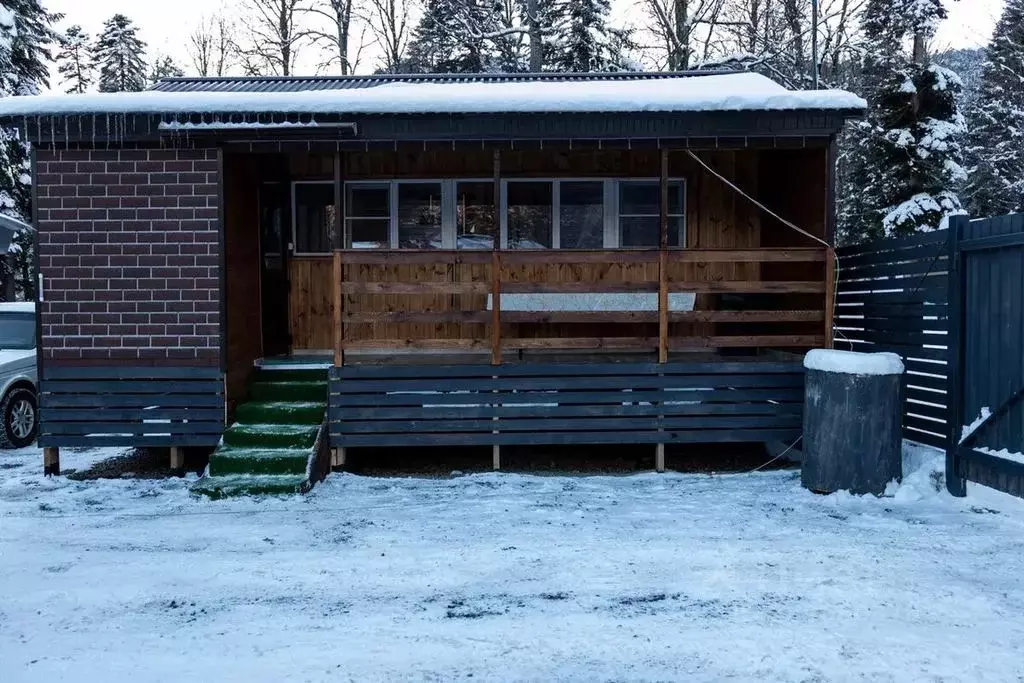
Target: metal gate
986 363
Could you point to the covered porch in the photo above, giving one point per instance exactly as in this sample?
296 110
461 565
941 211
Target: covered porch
453 309
353 258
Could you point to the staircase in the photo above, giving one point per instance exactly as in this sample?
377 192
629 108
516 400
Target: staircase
269 448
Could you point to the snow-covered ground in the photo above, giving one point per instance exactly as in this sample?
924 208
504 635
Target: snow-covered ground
507 577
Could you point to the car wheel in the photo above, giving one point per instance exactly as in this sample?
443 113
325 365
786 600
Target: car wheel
20 413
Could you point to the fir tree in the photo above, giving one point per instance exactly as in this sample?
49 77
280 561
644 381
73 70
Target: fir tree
906 168
74 60
587 43
119 56
164 67
465 36
996 140
26 35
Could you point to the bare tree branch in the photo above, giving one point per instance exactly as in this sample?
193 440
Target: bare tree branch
272 36
388 21
209 45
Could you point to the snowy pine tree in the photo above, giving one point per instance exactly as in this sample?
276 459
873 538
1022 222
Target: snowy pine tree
119 55
469 36
584 40
907 168
164 67
996 140
26 35
74 61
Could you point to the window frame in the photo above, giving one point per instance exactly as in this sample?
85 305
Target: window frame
449 211
346 236
619 215
609 218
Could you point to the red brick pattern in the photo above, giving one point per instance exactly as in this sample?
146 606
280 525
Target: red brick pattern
129 253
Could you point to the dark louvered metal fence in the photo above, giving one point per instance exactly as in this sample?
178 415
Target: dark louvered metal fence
893 296
987 332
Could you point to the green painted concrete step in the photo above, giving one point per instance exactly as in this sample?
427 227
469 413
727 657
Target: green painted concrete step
288 391
270 435
249 485
259 461
281 412
283 375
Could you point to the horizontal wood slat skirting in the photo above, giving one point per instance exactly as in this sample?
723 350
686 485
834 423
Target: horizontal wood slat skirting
131 406
893 296
552 404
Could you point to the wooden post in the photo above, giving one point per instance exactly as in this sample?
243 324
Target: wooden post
339 303
337 458
663 262
495 308
177 459
659 453
496 266
830 296
496 457
51 461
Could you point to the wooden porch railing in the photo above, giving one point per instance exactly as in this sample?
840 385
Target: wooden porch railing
452 300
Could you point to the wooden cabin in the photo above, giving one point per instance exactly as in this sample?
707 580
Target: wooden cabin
474 259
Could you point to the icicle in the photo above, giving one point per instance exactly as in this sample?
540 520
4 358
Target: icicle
66 136
94 131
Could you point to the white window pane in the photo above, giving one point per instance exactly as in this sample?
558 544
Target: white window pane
419 215
581 215
475 218
530 215
314 218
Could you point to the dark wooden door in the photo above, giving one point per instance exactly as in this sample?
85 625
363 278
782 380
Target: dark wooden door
275 228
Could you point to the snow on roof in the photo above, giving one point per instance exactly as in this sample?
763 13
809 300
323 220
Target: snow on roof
853 363
742 91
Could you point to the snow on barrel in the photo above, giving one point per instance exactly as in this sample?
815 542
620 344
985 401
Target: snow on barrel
852 421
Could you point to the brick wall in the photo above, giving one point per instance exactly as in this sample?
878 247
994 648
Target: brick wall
128 249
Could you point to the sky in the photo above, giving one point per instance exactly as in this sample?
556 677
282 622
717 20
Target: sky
165 24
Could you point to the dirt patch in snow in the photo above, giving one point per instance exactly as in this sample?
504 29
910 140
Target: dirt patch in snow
142 463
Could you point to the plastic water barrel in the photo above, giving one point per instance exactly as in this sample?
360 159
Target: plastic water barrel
852 421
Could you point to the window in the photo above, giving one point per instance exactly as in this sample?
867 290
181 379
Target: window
640 213
475 222
368 215
562 213
17 330
419 215
529 213
313 218
581 215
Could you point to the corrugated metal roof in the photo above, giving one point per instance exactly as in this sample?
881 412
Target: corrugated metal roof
300 83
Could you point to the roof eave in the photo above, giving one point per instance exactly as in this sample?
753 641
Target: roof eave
108 129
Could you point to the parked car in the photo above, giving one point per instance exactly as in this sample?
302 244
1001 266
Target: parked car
19 394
